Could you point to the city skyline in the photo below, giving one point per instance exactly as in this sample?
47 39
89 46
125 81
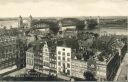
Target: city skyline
65 8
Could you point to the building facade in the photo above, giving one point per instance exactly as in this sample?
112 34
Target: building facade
30 58
8 53
63 60
46 58
78 67
37 57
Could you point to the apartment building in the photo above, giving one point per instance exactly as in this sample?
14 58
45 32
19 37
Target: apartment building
63 60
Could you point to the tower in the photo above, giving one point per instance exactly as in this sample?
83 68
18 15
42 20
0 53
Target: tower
86 24
60 25
98 22
20 22
30 21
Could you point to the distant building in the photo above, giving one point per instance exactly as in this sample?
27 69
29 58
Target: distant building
63 61
70 33
30 21
64 27
20 22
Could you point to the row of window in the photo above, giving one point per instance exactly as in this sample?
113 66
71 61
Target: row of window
7 65
64 59
46 64
8 40
29 62
63 53
65 71
64 65
45 58
31 55
79 65
8 49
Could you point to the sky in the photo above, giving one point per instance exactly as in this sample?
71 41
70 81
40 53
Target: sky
63 8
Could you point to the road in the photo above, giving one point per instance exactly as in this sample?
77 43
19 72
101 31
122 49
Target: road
17 73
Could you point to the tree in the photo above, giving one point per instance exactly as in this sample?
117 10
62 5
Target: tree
87 55
72 42
80 25
89 76
92 24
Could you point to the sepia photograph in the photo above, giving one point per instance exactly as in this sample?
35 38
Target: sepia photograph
64 40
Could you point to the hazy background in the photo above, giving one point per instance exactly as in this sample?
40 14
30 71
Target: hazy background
58 8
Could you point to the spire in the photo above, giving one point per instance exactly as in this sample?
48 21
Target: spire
30 17
30 21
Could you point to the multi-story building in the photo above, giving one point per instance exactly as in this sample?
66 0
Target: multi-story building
63 26
70 33
63 60
46 59
37 57
78 67
105 67
9 56
30 58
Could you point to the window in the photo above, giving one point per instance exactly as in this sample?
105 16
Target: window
68 72
68 65
47 58
59 52
68 59
63 58
63 54
46 50
68 54
59 63
46 64
63 49
59 58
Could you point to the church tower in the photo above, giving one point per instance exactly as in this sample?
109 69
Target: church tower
20 22
30 21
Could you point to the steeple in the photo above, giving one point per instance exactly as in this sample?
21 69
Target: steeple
30 17
30 21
